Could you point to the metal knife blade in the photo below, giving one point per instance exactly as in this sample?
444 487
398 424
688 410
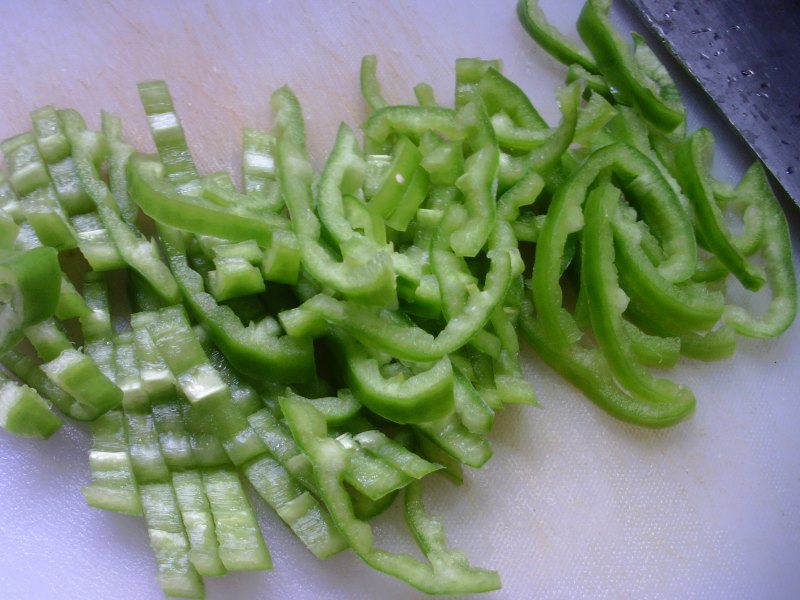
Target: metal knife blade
746 56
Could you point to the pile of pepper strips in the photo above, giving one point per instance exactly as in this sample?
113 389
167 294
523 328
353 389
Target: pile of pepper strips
356 331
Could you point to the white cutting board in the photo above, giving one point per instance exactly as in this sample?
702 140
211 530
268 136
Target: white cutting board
573 504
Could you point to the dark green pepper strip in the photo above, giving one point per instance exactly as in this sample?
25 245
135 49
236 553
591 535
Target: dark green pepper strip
533 19
593 83
545 157
445 575
652 350
412 343
638 76
372 279
599 279
687 305
30 282
301 511
370 86
452 436
693 159
776 251
396 178
423 396
500 95
252 349
587 370
423 92
655 199
412 121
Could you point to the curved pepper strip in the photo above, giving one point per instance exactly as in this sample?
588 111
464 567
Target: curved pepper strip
411 121
161 201
371 280
684 306
370 86
586 369
638 76
408 342
30 282
252 349
776 251
447 573
533 19
693 159
546 156
599 279
424 396
655 199
167 132
24 412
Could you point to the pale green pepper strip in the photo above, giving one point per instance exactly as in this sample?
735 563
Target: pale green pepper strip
371 280
447 573
605 299
776 250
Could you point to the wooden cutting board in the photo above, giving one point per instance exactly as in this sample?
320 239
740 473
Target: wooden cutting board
573 504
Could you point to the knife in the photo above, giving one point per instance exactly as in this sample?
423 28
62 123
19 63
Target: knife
746 57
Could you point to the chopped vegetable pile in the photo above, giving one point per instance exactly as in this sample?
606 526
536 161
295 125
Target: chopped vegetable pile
333 338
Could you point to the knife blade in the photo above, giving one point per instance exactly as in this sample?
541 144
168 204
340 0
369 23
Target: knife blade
746 57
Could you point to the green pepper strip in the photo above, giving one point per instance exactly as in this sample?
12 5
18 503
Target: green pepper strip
423 396
162 201
408 342
448 572
30 282
139 253
655 199
370 86
252 349
776 251
599 278
638 76
533 19
693 161
682 306
372 279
